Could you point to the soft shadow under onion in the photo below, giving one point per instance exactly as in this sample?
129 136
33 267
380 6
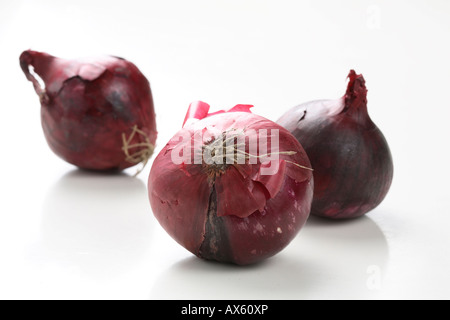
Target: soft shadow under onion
99 224
328 260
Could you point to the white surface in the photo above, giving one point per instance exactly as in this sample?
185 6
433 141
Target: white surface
67 234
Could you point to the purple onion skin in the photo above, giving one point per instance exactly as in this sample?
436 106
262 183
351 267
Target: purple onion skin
90 108
231 214
352 162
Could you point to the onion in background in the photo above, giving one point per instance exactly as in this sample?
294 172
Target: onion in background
97 113
351 159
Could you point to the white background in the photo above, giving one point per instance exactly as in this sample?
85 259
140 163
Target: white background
68 234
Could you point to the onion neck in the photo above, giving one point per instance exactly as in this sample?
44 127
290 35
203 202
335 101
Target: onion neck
41 64
355 99
40 61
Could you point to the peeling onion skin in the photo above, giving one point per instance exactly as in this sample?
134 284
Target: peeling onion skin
352 162
231 216
89 105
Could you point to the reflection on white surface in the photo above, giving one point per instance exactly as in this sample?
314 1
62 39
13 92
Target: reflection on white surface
329 259
97 224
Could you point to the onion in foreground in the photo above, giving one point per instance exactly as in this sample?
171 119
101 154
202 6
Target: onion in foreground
226 198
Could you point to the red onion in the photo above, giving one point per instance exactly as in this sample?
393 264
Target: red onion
97 113
351 159
224 198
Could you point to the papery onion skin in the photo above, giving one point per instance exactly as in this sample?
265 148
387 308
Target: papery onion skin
95 110
352 162
231 215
